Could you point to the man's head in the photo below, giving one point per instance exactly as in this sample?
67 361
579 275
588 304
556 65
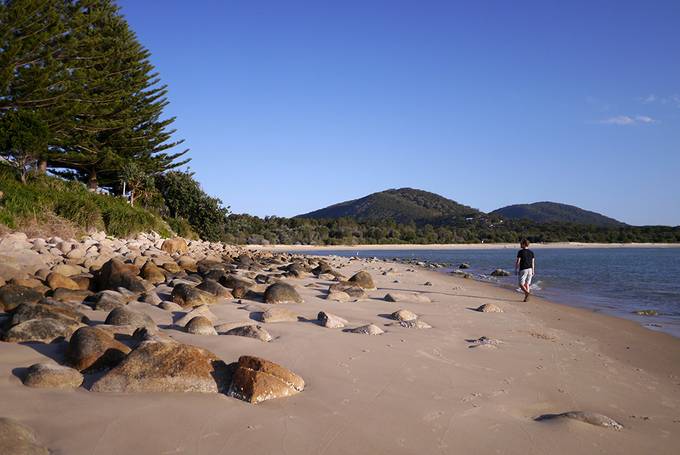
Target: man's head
524 243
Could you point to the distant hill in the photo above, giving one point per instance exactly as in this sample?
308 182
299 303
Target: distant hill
401 205
552 212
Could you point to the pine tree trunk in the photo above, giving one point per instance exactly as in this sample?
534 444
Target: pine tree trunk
42 167
92 184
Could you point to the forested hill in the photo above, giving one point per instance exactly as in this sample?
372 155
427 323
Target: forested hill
401 205
553 212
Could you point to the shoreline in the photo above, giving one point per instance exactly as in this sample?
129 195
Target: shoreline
455 246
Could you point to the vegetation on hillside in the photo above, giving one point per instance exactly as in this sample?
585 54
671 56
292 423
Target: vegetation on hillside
553 212
402 205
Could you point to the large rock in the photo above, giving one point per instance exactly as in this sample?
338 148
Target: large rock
156 366
200 325
281 293
71 295
250 331
278 315
338 296
115 274
203 310
176 245
188 296
233 282
57 280
126 316
27 311
500 272
256 380
12 295
108 300
355 292
18 439
331 321
362 279
50 375
214 288
152 273
40 330
93 349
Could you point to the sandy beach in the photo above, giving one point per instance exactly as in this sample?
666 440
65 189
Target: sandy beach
405 391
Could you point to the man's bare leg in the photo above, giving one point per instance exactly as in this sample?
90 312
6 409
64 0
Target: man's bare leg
527 292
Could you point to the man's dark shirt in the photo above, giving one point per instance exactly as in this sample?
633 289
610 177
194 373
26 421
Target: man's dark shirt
526 257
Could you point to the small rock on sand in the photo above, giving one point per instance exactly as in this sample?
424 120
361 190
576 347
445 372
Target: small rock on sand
489 308
362 279
126 316
369 329
200 325
250 331
278 315
404 315
407 297
256 380
591 418
415 324
331 321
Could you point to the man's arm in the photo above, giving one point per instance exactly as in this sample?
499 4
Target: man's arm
533 265
517 266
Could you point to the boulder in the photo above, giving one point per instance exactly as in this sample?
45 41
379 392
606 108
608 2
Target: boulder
370 329
150 297
50 375
233 281
57 280
256 380
67 269
71 295
489 308
108 300
464 265
12 295
278 315
18 439
126 316
188 263
92 349
355 292
152 273
83 281
362 279
250 331
338 296
170 306
500 272
176 245
27 311
404 315
32 283
331 321
157 366
215 288
281 293
116 274
171 267
203 310
188 296
40 330
200 325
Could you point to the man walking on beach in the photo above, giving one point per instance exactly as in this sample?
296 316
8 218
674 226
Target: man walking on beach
525 268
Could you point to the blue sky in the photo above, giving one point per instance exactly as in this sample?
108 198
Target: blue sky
289 106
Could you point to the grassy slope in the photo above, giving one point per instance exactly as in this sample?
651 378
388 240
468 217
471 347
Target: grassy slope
48 201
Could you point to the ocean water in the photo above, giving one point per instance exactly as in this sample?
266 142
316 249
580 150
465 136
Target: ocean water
617 281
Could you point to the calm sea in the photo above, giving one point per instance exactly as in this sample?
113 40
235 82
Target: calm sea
617 281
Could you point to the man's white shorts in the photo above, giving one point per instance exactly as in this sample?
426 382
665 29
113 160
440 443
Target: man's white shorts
525 277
